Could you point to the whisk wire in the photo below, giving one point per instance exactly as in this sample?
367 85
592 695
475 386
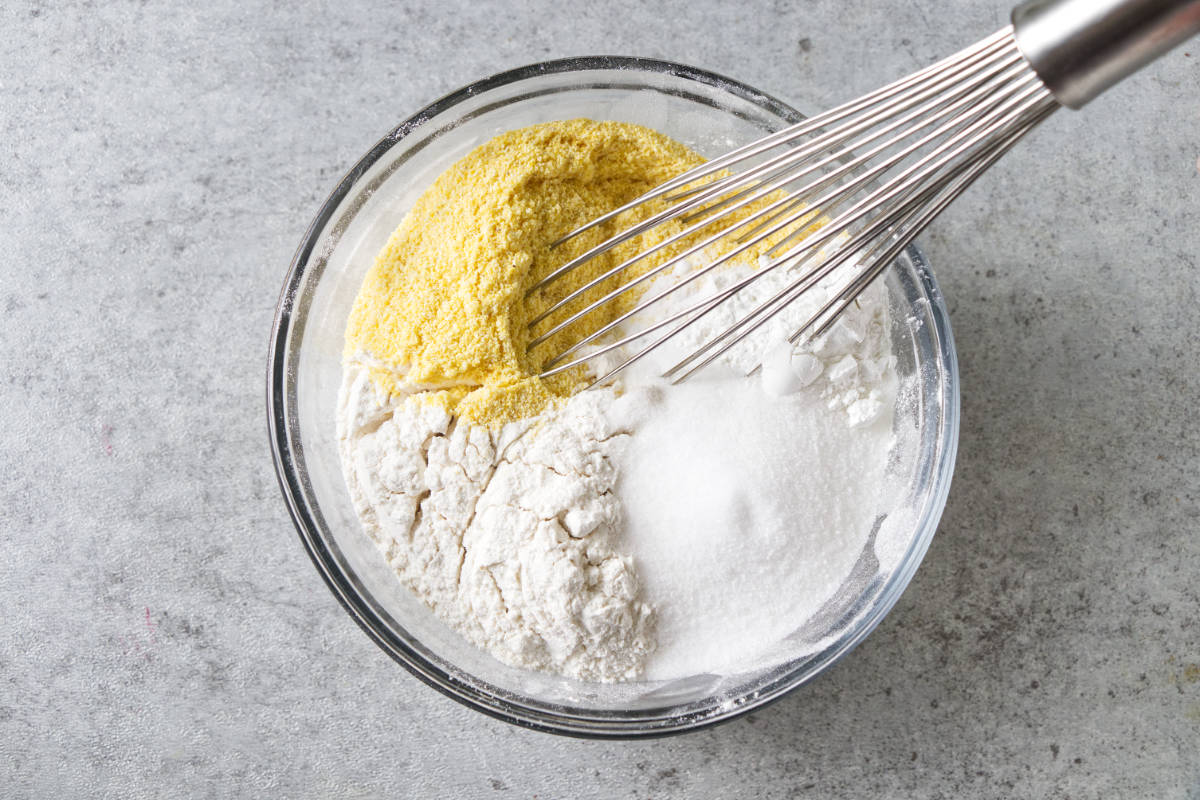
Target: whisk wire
922 217
996 44
777 207
1000 39
919 211
963 129
872 174
931 97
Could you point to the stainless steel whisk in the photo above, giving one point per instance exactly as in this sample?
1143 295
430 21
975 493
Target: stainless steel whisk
878 168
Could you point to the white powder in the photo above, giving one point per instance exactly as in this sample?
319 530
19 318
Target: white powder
742 532
749 501
643 530
506 537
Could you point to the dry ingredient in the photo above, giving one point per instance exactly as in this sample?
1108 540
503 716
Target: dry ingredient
637 530
744 523
444 305
507 536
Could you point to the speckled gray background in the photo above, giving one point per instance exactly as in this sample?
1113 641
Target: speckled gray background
164 633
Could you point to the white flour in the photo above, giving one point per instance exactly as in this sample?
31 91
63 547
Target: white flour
508 538
647 530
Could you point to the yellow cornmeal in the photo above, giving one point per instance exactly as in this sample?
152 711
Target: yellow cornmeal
444 306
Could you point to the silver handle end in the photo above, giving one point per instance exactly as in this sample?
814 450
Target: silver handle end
1079 48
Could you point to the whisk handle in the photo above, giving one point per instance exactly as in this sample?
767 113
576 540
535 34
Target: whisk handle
1079 48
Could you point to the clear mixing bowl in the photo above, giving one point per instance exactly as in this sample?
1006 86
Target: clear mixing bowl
711 114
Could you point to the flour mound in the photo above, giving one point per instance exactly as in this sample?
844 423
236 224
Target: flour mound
507 536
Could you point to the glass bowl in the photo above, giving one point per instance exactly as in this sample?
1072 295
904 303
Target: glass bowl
711 114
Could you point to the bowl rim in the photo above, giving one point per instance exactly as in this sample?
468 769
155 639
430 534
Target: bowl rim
593 724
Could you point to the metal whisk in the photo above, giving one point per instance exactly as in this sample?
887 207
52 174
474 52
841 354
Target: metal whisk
878 169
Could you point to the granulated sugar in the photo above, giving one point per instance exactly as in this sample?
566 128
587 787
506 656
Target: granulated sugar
747 502
744 512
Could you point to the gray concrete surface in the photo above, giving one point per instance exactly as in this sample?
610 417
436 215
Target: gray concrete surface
164 633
